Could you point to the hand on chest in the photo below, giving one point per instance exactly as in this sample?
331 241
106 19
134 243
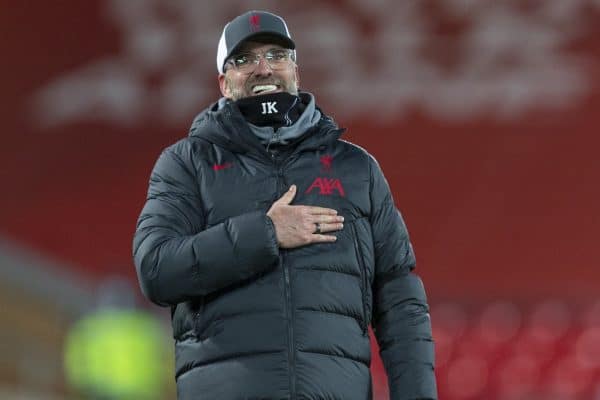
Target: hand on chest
234 184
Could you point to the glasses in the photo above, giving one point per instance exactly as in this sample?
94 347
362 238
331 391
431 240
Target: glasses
247 62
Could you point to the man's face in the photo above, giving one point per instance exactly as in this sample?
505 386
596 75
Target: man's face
263 79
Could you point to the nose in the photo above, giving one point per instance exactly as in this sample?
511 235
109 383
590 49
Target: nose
263 68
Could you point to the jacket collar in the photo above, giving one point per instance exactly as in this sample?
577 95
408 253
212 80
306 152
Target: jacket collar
223 124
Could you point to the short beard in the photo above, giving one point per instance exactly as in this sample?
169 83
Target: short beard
238 93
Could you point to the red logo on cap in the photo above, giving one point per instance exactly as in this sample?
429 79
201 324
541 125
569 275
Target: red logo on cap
255 22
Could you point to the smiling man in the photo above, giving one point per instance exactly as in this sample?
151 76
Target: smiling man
276 244
250 77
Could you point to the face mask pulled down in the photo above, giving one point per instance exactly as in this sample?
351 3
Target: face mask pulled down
275 110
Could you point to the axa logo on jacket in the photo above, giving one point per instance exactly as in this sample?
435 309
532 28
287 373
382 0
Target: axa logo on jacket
327 186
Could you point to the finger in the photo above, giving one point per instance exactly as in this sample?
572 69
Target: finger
323 238
327 219
321 211
331 227
287 196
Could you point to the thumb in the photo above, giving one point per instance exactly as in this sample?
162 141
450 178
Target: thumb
288 196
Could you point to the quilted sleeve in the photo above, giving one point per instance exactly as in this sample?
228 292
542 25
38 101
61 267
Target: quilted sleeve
401 314
176 258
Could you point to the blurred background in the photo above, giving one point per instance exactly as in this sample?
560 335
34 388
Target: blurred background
481 113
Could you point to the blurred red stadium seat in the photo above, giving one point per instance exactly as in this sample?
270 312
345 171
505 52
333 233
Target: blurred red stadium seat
505 351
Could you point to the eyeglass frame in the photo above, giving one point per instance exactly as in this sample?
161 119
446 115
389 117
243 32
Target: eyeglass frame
291 56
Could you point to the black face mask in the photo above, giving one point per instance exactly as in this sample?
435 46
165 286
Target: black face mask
276 110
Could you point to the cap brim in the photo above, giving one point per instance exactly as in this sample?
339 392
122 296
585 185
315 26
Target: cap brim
266 38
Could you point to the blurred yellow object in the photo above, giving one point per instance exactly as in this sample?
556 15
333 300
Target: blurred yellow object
117 355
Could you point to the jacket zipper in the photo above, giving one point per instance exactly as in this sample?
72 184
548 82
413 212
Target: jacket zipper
287 289
363 280
290 321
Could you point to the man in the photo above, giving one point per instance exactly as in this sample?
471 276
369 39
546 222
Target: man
276 244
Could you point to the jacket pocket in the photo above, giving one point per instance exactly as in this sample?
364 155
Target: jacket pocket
206 327
363 279
199 319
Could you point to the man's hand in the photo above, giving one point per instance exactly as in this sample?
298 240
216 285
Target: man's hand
297 226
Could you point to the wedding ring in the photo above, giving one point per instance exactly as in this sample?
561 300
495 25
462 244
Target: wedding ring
318 225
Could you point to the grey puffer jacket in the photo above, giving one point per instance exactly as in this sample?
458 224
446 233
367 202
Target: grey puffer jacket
253 321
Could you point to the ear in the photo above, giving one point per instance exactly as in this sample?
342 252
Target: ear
224 86
297 74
